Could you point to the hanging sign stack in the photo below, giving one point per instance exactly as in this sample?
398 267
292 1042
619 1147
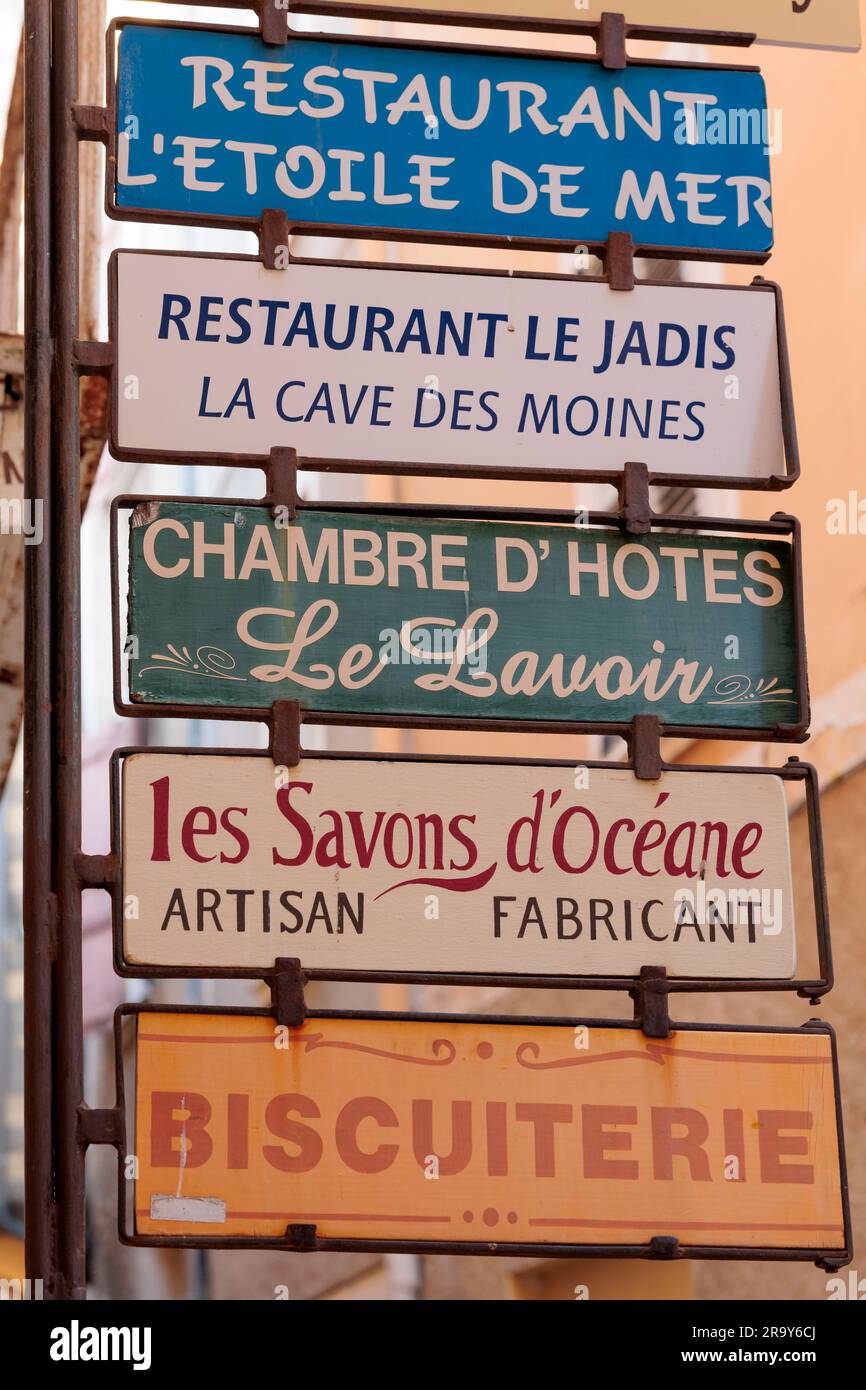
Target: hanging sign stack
298 1130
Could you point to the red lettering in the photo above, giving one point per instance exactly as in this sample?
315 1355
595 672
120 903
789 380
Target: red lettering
160 852
533 824
346 1135
686 866
192 830
336 858
773 1145
598 1140
558 843
237 1127
308 1142
643 843
468 844
746 841
390 830
238 835
720 830
497 1138
177 1127
297 822
688 1146
610 840
543 1118
460 1151
364 848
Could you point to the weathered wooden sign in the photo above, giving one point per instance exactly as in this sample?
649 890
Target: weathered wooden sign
429 371
368 616
802 23
504 869
489 1133
213 125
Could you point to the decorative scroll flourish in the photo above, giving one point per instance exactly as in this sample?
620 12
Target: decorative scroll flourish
444 1052
656 1053
209 661
449 885
528 1050
739 690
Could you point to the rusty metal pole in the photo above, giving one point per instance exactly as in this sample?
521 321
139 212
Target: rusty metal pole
66 583
39 1118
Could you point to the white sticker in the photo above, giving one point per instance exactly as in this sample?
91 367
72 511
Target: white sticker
207 1210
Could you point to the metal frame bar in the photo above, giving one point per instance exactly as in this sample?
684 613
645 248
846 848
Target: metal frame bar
40 1230
108 363
66 583
101 124
793 771
659 1248
55 1203
357 9
780 525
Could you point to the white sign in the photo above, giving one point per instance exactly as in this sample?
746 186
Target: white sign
416 370
525 869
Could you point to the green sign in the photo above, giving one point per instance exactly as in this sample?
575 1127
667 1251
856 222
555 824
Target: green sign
372 615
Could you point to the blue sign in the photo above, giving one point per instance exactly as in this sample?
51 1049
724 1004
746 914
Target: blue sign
213 123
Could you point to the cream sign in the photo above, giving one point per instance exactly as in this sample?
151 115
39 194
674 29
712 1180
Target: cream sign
429 369
515 869
802 23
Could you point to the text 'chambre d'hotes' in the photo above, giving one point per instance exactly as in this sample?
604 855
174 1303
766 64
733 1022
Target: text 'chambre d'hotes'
403 558
498 589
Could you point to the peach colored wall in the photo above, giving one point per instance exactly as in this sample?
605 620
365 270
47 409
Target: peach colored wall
820 262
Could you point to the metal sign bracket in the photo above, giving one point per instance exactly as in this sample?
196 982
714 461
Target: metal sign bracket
301 1238
97 870
101 1127
635 513
665 1248
618 260
610 42
275 236
645 747
650 996
287 992
274 20
282 493
285 725
93 123
93 358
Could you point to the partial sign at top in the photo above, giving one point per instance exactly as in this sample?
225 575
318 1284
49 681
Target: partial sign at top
802 23
213 125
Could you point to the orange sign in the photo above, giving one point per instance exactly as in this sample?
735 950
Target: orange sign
470 1130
